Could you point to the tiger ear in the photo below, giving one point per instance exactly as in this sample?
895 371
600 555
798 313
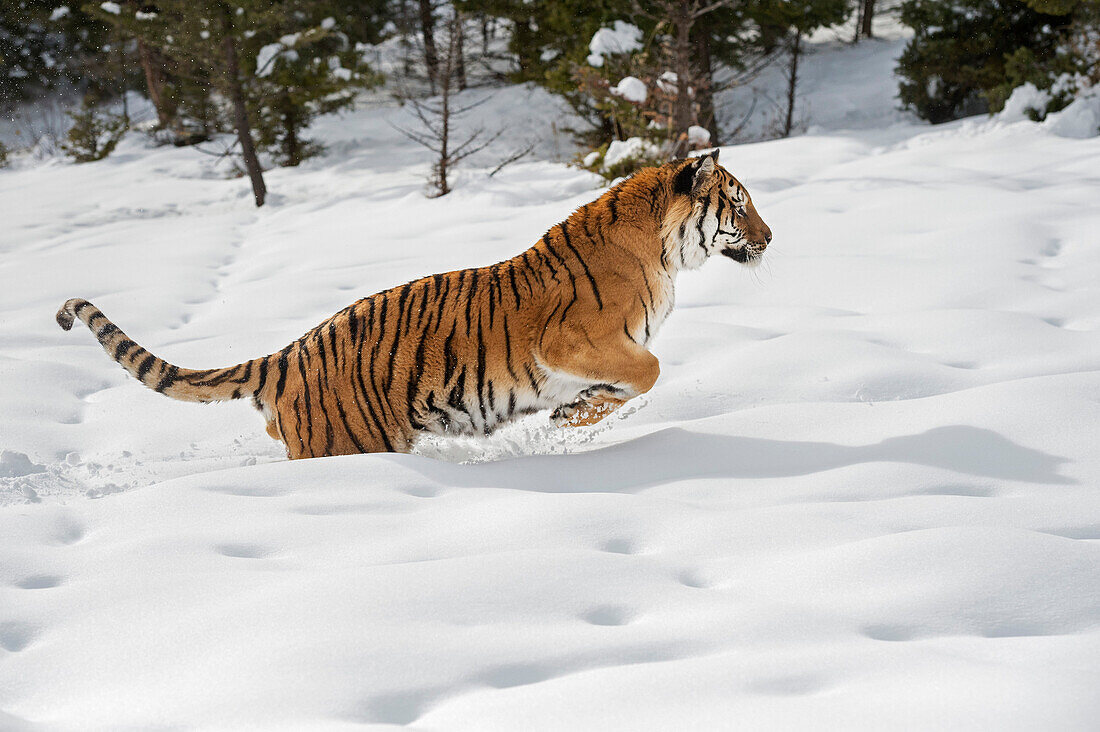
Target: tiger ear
694 176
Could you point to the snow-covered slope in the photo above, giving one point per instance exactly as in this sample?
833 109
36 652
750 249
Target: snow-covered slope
863 494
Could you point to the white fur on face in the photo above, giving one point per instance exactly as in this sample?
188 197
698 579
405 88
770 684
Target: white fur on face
713 226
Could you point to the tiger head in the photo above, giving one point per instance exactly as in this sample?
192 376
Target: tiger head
710 212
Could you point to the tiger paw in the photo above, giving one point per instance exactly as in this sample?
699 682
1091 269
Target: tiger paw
585 412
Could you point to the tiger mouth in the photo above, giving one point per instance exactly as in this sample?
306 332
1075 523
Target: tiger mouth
744 255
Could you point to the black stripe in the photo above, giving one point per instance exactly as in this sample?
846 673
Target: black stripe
169 377
455 400
587 272
508 349
413 311
702 220
411 384
533 381
481 371
123 348
533 269
283 365
645 279
247 373
305 394
542 332
332 344
298 422
450 361
263 376
470 299
442 301
492 293
143 369
512 277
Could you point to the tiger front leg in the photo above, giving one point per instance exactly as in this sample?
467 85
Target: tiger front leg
593 405
619 372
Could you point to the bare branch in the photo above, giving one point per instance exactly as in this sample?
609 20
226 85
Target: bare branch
698 13
456 157
514 157
417 137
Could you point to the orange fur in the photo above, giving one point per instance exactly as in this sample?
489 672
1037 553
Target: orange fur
564 325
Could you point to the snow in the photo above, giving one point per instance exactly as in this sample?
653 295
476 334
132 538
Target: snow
840 87
630 88
1081 119
59 12
16 464
265 59
1024 99
632 147
112 8
622 37
862 494
698 135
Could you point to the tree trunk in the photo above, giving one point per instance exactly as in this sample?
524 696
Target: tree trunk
681 115
151 64
445 111
292 148
460 50
867 15
427 28
792 82
240 118
705 84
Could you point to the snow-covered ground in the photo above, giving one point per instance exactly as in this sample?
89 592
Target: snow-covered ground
864 493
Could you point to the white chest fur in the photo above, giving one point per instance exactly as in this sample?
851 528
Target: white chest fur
651 307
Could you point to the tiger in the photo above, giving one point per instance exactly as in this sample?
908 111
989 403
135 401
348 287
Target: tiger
564 326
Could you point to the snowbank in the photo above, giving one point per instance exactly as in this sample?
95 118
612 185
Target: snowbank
862 495
631 148
1080 119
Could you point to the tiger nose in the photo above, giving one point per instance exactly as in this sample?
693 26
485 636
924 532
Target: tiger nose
767 236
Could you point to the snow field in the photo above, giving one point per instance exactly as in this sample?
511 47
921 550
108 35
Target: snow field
863 493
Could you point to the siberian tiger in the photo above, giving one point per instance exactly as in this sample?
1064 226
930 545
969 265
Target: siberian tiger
565 326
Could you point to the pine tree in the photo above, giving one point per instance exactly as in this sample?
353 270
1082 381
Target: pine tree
45 46
300 76
277 64
957 56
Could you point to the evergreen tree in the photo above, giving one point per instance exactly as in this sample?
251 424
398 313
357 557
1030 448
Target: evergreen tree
205 37
300 76
45 45
277 64
956 59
